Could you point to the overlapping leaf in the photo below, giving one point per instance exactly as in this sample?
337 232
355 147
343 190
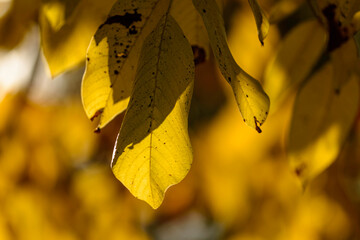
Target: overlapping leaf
299 52
153 149
321 122
262 22
251 99
113 55
66 36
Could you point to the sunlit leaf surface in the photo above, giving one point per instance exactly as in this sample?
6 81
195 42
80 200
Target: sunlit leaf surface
252 100
153 149
113 55
321 122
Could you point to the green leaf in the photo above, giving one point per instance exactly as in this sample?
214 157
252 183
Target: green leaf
251 99
153 149
321 122
113 54
262 22
193 27
66 36
299 52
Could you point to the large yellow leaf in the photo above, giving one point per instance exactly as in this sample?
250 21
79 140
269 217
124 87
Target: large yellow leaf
153 149
113 55
262 22
193 27
66 38
321 121
251 99
299 52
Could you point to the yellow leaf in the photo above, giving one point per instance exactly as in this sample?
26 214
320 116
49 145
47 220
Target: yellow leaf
282 9
153 149
17 20
299 52
65 45
357 42
321 121
345 61
113 54
262 22
251 99
193 27
59 12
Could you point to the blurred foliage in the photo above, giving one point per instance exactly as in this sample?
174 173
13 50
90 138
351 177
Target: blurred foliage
56 183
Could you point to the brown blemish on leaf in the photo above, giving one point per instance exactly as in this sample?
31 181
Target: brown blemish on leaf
257 125
126 20
299 170
97 130
98 112
199 54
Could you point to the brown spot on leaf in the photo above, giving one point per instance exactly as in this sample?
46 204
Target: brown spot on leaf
126 20
299 170
257 125
199 54
98 112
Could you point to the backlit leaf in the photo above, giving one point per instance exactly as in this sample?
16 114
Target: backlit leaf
251 99
65 39
321 122
153 149
299 52
113 55
59 12
261 20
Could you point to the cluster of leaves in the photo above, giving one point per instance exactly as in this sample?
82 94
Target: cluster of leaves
326 74
142 58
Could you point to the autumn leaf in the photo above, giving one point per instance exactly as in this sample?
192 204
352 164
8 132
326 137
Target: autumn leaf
297 55
251 99
66 32
262 22
113 55
153 149
357 42
321 122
